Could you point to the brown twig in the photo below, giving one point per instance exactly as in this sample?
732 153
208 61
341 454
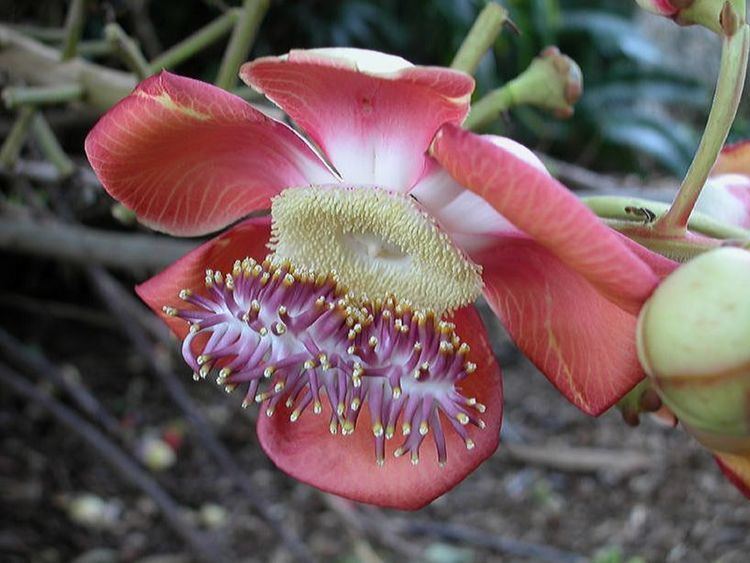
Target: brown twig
32 361
202 547
465 535
122 304
580 460
126 251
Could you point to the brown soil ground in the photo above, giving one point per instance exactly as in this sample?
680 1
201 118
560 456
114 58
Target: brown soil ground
675 507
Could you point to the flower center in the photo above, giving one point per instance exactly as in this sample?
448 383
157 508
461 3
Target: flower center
376 243
291 338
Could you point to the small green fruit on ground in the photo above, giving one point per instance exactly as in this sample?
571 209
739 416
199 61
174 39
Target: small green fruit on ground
694 342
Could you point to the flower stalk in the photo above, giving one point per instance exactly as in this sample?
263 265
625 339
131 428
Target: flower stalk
74 23
241 41
481 36
196 42
723 110
552 81
127 51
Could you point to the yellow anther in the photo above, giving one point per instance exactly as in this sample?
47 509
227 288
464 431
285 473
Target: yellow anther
406 429
414 457
279 387
317 407
389 432
480 407
355 404
169 311
398 452
377 429
470 444
462 418
470 367
424 428
269 371
185 293
396 392
294 416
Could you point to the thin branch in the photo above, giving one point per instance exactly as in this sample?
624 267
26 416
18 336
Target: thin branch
50 146
21 355
580 460
127 50
202 547
74 23
465 535
122 305
241 41
27 61
13 143
199 40
84 245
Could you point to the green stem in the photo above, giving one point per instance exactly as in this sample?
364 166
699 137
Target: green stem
729 86
11 147
50 146
73 28
490 107
614 207
196 42
94 48
127 50
15 96
481 36
241 41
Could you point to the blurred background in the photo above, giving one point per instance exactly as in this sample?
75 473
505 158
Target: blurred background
109 452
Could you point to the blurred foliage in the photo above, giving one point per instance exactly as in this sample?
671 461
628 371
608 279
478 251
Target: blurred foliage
636 114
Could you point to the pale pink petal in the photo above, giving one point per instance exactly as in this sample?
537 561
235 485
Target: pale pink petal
582 342
470 220
726 198
373 115
550 214
190 158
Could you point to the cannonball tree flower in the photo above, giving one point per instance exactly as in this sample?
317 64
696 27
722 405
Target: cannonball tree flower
348 311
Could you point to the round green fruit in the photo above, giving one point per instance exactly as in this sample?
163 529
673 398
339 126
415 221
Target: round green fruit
694 342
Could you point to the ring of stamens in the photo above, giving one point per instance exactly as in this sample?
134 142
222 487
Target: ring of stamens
288 337
378 243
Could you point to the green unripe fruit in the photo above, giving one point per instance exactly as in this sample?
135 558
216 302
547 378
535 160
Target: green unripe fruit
694 342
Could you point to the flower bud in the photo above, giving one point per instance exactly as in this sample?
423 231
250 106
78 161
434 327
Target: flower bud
721 16
553 81
694 341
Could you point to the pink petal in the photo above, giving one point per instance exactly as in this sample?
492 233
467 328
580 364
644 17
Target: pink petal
345 465
190 158
247 239
580 340
734 159
372 114
737 470
450 203
544 209
726 197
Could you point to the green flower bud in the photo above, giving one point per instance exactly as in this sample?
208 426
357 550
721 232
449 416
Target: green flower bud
694 342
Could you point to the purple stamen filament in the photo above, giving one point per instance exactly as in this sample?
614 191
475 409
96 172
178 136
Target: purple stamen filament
297 338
